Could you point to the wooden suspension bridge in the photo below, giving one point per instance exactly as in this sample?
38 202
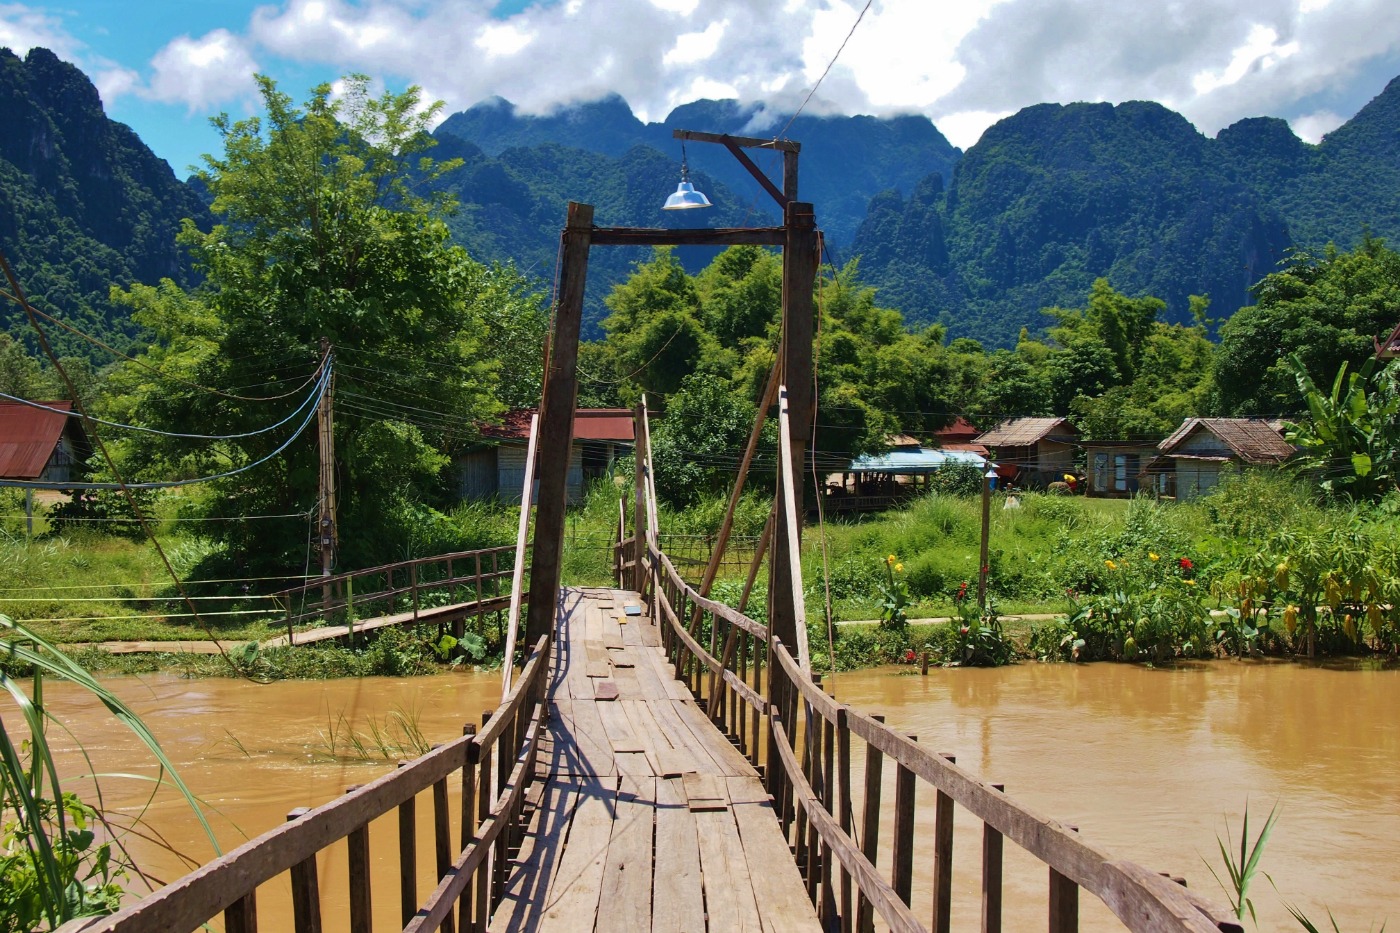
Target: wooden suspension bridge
661 761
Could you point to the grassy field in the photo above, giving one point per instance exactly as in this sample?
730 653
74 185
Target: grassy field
84 586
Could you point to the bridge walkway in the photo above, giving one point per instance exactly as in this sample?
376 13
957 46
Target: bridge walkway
645 816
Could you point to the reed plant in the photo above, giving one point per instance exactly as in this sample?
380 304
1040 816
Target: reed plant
53 867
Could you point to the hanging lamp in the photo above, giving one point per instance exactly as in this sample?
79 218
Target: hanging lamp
686 197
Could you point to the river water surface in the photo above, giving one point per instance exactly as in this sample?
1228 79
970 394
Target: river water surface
1151 764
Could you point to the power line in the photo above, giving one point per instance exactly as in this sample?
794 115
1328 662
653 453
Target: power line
172 484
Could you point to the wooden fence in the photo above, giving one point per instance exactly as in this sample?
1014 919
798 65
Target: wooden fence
447 587
467 888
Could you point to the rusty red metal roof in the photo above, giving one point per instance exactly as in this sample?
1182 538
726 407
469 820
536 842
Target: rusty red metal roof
1023 432
28 437
961 431
590 424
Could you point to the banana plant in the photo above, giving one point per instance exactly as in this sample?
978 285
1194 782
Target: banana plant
1351 437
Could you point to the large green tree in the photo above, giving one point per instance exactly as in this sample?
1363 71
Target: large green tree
1327 308
321 234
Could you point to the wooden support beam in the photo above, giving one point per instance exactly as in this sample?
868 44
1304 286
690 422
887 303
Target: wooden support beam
764 182
799 275
694 236
747 142
556 424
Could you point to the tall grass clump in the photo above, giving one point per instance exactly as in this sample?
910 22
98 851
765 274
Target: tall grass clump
52 866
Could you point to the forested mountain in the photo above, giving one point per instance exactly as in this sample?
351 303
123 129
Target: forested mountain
1049 199
84 204
1055 196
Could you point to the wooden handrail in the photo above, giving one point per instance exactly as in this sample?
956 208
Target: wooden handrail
1143 900
193 900
315 583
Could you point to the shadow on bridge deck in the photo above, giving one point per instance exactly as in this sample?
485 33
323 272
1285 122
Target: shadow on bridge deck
646 817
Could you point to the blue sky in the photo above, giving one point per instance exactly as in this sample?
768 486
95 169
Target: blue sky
165 67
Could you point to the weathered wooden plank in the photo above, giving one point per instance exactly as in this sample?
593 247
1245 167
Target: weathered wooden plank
678 904
626 888
727 759
728 888
705 792
777 885
579 737
605 690
523 901
572 902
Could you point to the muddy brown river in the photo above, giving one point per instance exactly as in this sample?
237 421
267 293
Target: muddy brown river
1152 764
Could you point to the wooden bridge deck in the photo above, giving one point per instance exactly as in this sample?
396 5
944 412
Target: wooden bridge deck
646 817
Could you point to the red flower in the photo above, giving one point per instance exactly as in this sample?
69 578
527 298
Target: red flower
986 569
909 655
963 630
1185 564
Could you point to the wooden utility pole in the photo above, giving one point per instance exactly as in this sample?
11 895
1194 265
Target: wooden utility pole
800 260
556 424
325 426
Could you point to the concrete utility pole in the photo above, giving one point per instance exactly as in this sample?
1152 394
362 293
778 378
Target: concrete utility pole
325 427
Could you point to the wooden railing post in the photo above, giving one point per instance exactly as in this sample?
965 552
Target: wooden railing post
991 875
242 915
408 857
845 815
902 860
442 838
413 587
361 903
306 890
1064 901
943 857
870 826
468 831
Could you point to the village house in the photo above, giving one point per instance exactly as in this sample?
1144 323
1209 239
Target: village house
1032 452
41 446
1113 468
1190 461
496 469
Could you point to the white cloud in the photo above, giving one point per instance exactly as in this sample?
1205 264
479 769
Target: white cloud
963 64
203 73
23 28
692 47
114 82
1313 126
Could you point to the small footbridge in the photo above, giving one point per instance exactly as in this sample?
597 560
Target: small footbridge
659 761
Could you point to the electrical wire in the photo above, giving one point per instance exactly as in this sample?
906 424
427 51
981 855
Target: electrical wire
177 483
310 399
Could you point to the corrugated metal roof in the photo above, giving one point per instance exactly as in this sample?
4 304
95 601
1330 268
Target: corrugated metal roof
960 431
28 436
912 462
1023 432
1253 440
590 424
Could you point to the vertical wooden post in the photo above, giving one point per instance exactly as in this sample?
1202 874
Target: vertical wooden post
983 555
800 258
902 860
943 858
557 424
306 890
468 803
1064 901
639 508
870 825
408 857
242 915
442 839
844 814
991 875
361 907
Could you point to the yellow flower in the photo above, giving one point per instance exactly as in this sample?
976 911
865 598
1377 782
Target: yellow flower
890 559
1189 582
1110 565
1153 556
898 568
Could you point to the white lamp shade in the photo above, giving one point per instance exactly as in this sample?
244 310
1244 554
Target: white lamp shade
686 198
